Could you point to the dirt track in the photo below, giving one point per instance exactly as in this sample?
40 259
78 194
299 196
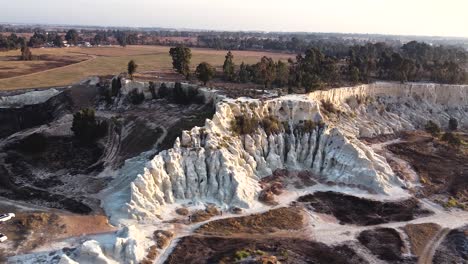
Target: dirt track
429 251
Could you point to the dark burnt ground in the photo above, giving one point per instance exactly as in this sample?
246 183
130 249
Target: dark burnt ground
154 126
199 249
286 218
454 248
385 243
33 166
359 211
442 169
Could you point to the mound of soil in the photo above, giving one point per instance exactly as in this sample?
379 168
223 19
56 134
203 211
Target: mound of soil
273 220
454 248
359 211
383 242
202 249
420 235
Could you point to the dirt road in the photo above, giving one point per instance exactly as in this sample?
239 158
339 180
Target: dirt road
429 251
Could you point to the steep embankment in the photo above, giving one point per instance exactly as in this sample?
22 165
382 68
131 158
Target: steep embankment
223 161
247 140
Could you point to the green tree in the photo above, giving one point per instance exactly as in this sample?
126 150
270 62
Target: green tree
453 124
354 75
205 72
282 74
243 74
136 97
266 71
181 57
58 41
116 85
72 36
26 54
131 68
432 128
229 67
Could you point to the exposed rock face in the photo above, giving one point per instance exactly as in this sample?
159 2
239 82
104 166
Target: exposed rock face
385 108
214 163
21 113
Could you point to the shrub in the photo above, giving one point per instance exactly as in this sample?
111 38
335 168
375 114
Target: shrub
152 89
163 91
116 86
307 126
85 127
432 128
241 254
136 97
180 96
271 125
451 139
242 125
329 107
453 124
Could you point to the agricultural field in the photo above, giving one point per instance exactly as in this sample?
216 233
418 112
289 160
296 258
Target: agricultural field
60 67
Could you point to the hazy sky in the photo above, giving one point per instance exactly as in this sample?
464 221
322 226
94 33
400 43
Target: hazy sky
409 17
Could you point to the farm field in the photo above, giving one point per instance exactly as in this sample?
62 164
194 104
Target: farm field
60 67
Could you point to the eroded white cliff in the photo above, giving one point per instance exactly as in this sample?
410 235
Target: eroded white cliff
214 164
217 165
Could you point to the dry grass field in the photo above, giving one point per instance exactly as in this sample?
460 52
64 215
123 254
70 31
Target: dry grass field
84 62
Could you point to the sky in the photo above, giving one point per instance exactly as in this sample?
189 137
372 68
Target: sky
398 17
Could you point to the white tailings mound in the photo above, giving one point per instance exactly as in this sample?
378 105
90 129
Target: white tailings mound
213 164
386 108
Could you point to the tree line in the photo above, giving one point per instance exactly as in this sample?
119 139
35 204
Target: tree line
312 69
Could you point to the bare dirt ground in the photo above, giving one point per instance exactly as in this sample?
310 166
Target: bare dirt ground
442 169
285 218
197 249
420 235
31 230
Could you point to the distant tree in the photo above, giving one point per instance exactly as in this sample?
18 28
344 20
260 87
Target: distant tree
266 73
26 54
314 69
205 72
72 37
116 85
58 41
136 97
181 57
163 91
453 124
122 38
282 74
229 67
243 74
85 127
37 40
152 89
354 75
131 68
99 38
